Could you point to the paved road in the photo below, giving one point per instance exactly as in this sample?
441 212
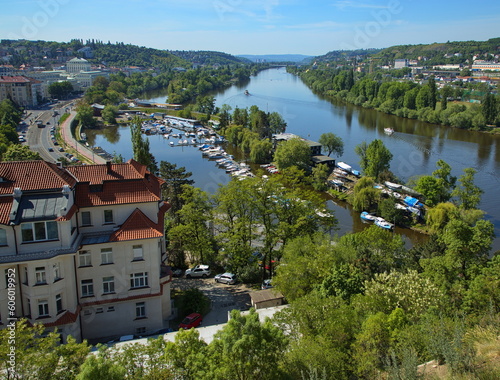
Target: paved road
224 297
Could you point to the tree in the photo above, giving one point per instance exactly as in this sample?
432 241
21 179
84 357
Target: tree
468 194
60 90
174 178
205 104
101 366
446 92
294 152
489 108
345 280
431 83
332 143
140 146
379 158
17 152
245 348
319 176
109 114
85 115
225 116
193 233
10 114
260 151
187 354
276 123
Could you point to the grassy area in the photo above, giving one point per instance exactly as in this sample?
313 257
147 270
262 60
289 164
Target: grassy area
63 118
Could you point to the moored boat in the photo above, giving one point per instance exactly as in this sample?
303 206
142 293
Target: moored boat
382 223
388 131
366 216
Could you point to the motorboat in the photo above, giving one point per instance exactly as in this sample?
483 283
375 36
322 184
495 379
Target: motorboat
382 223
366 216
388 131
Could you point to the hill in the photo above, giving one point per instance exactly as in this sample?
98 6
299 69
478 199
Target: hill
296 58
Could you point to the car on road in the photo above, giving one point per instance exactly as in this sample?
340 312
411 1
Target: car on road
51 149
226 278
192 320
198 271
61 149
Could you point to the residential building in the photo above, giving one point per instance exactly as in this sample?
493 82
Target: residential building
21 90
86 78
86 244
400 63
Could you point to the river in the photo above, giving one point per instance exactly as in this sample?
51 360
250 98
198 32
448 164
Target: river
416 146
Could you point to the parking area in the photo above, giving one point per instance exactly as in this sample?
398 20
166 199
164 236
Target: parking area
224 297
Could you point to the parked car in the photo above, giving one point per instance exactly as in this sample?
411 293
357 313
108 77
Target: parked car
226 278
192 320
266 284
198 271
51 149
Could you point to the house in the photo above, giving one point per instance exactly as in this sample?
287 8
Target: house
315 146
261 299
21 90
84 246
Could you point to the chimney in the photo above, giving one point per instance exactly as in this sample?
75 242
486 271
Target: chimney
17 193
108 167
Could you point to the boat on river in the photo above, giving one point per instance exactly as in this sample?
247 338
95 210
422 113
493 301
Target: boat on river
388 131
382 223
367 217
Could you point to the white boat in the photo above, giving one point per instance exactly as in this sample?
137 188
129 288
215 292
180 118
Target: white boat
382 223
171 143
344 166
392 185
367 216
388 131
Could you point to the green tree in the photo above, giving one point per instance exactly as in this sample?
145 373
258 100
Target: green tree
140 146
17 152
193 233
468 194
332 143
260 151
174 178
9 113
344 281
375 157
60 90
431 83
319 176
489 108
245 348
446 92
187 354
294 152
109 114
85 115
101 366
276 123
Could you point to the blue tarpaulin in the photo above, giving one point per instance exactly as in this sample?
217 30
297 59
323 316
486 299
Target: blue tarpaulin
412 202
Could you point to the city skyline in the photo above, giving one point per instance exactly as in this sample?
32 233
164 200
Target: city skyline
252 26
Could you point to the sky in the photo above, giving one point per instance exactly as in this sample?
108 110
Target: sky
312 27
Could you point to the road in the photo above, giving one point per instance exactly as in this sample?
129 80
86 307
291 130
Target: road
224 297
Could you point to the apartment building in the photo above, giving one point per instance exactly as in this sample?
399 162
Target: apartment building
21 90
85 244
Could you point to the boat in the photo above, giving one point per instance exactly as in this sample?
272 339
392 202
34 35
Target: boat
344 166
171 143
336 182
392 185
388 131
246 92
382 223
366 216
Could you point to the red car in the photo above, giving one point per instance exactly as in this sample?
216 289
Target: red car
192 320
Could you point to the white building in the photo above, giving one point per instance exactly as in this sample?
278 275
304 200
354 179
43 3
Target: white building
400 63
76 65
85 246
86 78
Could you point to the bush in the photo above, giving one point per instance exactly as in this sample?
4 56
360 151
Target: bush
192 301
249 274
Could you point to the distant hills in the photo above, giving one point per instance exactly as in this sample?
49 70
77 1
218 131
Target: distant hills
295 58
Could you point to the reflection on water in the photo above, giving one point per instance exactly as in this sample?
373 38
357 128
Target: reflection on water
416 146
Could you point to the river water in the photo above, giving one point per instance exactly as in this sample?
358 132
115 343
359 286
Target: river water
416 146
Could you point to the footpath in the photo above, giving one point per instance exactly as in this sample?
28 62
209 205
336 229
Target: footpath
81 149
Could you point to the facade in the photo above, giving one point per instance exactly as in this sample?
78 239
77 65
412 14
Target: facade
21 90
400 63
85 245
76 65
86 78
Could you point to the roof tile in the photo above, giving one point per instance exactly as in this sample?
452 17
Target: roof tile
137 226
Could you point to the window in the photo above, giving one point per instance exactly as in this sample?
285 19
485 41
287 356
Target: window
39 231
59 305
40 275
139 280
140 330
137 252
106 256
87 312
108 216
108 284
85 258
43 308
87 288
99 310
26 276
140 310
3 237
86 220
110 309
56 268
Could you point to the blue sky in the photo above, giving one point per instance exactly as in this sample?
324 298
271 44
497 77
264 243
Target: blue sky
252 26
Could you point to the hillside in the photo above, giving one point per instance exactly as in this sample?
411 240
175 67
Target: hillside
46 53
296 58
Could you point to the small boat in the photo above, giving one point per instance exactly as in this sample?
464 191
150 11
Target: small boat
344 166
166 135
336 182
246 92
392 185
388 131
171 143
355 172
382 223
367 216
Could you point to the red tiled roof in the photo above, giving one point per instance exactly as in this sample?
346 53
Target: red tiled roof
5 208
119 192
14 79
32 175
66 318
137 226
97 174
